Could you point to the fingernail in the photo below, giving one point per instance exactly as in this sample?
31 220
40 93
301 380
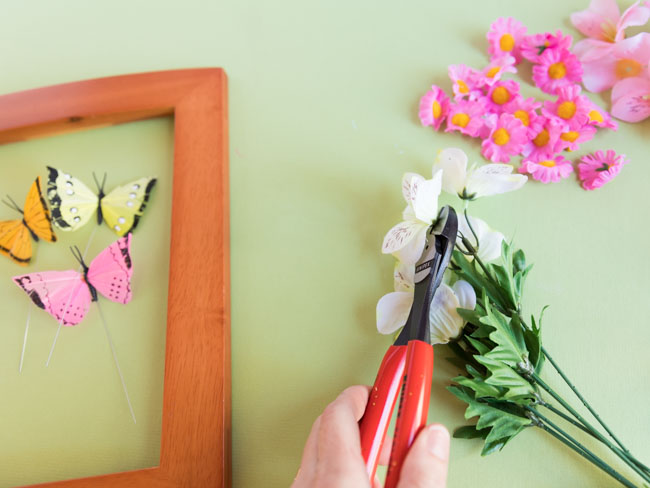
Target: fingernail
438 442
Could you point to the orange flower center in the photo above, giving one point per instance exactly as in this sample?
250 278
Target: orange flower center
460 119
507 42
570 136
557 71
523 116
549 163
626 68
566 110
501 137
436 109
462 86
542 138
596 116
500 95
492 72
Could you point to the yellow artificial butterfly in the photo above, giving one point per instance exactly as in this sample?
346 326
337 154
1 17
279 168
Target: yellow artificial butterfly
73 203
15 240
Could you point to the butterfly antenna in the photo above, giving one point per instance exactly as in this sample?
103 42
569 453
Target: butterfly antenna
77 254
103 182
12 204
96 182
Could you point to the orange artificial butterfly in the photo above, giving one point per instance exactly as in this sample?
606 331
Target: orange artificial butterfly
15 239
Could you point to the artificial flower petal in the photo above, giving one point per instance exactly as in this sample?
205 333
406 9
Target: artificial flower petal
444 321
393 311
425 201
493 179
453 164
489 241
599 20
599 168
631 99
547 170
465 294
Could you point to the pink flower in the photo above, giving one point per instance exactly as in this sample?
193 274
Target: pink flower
546 170
534 46
556 68
545 140
525 110
597 169
631 99
434 106
500 94
507 138
626 59
466 117
571 139
464 81
495 70
505 36
600 118
570 106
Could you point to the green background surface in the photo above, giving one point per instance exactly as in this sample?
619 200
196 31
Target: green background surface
323 122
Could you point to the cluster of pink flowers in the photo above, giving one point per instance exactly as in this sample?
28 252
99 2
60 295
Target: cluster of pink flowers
610 60
488 106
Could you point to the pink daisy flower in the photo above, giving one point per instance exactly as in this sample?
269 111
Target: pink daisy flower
500 94
570 106
434 106
466 117
534 46
495 70
601 118
571 139
507 138
525 109
556 68
464 81
597 169
547 169
545 140
505 36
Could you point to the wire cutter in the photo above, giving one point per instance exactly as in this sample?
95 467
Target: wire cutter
408 363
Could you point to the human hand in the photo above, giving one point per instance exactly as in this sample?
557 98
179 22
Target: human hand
332 455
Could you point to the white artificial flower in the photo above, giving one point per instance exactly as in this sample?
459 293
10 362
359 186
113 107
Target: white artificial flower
479 181
407 239
489 241
393 308
444 321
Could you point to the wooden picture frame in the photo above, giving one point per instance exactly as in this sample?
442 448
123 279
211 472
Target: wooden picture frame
195 444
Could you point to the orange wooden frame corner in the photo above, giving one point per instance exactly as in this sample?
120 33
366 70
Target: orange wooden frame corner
195 444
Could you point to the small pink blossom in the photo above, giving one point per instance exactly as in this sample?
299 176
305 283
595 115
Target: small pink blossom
535 45
497 67
507 138
505 36
570 107
571 139
597 169
601 118
631 99
464 81
545 140
547 170
525 109
556 68
501 93
466 117
434 106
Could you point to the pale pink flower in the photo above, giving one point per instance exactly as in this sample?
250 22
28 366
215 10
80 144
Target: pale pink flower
525 109
505 36
631 99
601 118
571 107
547 170
627 59
604 25
466 117
571 139
597 169
507 138
556 68
497 67
534 46
434 106
500 94
545 140
464 81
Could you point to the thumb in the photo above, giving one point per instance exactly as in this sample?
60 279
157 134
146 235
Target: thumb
426 463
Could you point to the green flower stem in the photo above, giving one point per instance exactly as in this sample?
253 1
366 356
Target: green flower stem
569 441
568 419
598 435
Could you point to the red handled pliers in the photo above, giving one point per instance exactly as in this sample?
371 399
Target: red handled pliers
408 363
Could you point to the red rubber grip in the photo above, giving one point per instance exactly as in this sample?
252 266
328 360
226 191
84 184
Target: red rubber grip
375 420
414 405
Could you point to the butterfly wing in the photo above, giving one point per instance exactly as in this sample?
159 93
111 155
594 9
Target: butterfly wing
62 294
110 272
15 241
36 214
72 202
123 207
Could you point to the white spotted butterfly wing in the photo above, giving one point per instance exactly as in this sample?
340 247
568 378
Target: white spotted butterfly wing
123 207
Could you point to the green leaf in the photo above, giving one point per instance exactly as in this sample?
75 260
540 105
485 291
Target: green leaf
470 432
480 387
505 281
478 345
534 346
514 387
471 316
508 337
518 260
493 446
469 272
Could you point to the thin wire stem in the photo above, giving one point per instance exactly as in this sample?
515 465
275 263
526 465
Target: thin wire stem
22 354
568 419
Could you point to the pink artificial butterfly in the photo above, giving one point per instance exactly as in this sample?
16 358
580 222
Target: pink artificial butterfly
67 295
